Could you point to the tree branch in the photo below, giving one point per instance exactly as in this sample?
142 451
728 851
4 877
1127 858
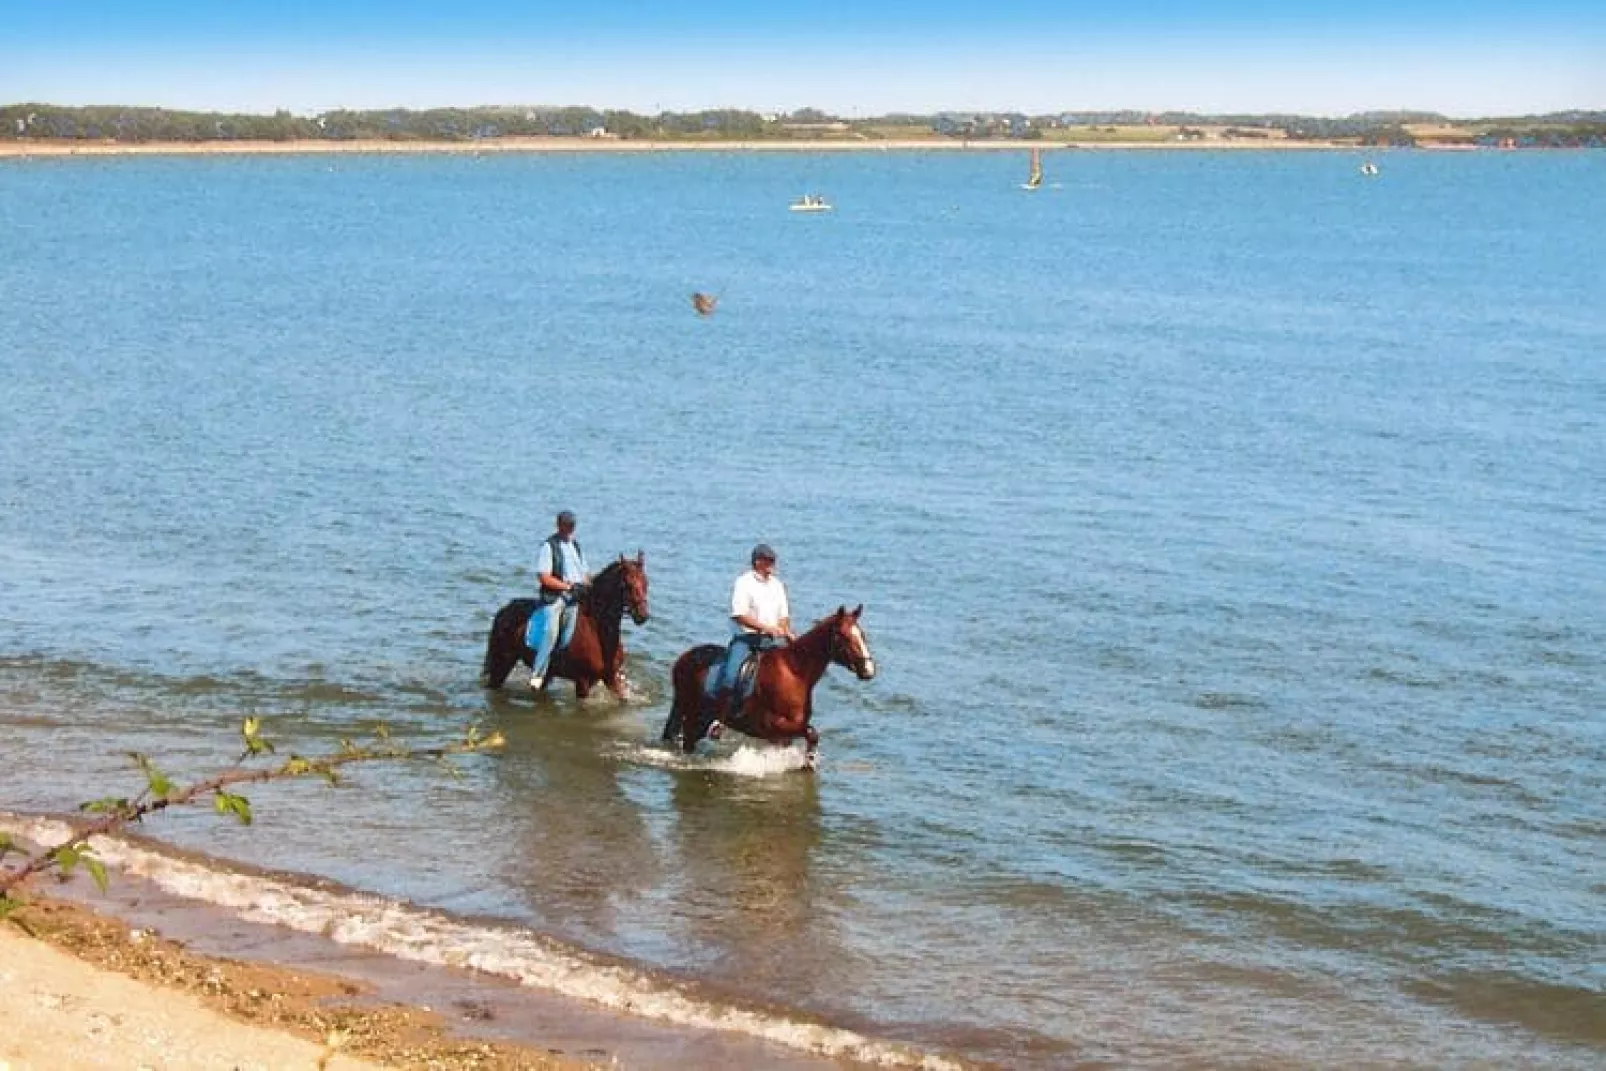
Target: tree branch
160 794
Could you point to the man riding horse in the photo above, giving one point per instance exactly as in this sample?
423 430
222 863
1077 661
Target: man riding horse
561 577
760 616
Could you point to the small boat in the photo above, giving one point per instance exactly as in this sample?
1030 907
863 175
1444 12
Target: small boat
1034 178
704 303
1368 168
810 202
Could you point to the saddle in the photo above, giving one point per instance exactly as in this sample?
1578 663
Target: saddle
741 689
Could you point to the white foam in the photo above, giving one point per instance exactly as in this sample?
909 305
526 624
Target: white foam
411 933
747 760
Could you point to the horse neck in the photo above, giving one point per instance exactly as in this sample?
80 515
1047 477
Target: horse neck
605 604
810 653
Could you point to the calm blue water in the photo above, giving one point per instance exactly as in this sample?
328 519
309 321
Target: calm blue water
1229 528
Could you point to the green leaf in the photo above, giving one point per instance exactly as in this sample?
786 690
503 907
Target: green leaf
295 766
251 730
159 783
97 870
105 805
67 857
8 905
229 803
7 845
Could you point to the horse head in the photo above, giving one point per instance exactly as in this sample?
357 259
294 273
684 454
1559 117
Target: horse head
633 574
849 647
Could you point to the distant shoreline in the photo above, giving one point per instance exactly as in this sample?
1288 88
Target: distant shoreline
67 147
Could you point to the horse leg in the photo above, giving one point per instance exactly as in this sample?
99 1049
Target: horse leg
686 690
582 687
503 647
613 676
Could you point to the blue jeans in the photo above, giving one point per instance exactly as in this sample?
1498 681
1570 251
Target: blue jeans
551 629
723 675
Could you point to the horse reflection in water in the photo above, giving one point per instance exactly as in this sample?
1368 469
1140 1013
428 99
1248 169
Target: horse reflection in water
596 652
568 840
781 703
749 848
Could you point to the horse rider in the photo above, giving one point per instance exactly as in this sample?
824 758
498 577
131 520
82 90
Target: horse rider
759 615
561 577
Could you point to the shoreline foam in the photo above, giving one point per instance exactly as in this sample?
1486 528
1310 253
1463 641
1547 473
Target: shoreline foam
403 933
80 990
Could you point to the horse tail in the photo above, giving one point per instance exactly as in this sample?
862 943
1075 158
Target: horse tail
686 709
505 645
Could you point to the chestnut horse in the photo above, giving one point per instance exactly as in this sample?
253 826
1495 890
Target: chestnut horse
782 699
595 652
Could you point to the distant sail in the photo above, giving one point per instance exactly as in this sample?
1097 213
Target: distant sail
1035 179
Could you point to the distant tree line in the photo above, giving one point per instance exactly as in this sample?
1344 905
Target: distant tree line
132 124
110 123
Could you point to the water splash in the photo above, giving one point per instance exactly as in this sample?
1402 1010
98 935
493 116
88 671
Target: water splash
747 760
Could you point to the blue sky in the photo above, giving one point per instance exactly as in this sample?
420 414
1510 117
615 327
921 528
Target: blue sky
852 58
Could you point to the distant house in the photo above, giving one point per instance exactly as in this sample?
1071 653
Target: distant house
597 132
955 125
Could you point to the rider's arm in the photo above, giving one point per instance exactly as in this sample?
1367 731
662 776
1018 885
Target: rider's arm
547 571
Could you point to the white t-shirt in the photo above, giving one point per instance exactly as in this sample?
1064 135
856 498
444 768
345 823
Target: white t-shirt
760 599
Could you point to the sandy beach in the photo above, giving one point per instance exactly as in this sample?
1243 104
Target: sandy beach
20 147
78 990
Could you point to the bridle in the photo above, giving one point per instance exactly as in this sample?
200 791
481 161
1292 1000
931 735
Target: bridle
859 661
634 583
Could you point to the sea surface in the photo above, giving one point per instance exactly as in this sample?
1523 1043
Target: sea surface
1230 527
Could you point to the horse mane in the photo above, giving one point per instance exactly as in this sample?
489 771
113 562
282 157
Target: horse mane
816 633
609 580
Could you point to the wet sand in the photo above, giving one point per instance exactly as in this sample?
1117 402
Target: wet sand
80 990
393 1012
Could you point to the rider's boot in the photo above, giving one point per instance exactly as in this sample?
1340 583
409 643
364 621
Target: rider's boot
716 709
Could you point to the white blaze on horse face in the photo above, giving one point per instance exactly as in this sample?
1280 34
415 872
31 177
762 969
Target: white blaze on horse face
862 652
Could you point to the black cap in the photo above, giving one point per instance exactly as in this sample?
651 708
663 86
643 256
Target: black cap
565 517
762 552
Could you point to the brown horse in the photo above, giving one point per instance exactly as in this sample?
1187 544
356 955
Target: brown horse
782 699
596 652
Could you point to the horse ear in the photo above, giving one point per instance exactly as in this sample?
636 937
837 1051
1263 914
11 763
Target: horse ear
621 559
841 611
857 610
641 557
